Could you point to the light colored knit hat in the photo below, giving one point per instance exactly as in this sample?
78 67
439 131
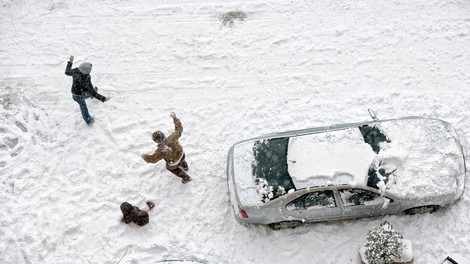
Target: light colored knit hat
85 68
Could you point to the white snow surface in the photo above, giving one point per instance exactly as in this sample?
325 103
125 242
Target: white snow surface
289 65
318 156
243 172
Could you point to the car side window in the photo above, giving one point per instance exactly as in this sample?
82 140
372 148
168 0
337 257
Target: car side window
313 200
352 197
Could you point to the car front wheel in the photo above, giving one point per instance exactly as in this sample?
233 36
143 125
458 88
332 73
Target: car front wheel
285 225
422 209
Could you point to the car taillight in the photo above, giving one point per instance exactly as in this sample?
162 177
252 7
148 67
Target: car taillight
243 212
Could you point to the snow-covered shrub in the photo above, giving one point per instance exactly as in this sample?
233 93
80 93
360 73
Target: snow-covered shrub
384 245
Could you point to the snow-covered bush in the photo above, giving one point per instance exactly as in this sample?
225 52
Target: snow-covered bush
384 245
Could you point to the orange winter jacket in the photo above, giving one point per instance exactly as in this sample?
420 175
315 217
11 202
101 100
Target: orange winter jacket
172 151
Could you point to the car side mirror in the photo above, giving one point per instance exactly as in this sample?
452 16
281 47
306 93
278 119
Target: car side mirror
387 201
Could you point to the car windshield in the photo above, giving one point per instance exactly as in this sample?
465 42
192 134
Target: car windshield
270 168
373 136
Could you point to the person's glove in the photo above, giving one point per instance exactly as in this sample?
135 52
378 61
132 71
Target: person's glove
150 205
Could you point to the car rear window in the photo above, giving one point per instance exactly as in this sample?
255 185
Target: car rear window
270 168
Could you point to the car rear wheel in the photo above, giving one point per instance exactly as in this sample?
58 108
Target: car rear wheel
285 225
422 209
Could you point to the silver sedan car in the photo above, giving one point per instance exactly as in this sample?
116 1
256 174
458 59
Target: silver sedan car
410 165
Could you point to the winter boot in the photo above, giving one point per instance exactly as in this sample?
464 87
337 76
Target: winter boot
176 170
150 205
92 120
186 180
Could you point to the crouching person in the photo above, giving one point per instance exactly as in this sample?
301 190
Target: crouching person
132 214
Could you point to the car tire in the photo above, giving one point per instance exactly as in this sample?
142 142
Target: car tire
422 209
285 225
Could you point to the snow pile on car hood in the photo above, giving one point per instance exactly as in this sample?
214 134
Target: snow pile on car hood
428 157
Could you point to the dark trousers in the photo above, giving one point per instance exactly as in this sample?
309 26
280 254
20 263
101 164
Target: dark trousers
179 169
80 99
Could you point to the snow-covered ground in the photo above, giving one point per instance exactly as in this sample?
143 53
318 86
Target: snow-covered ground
290 65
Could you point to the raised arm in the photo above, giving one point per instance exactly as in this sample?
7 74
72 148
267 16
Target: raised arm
178 128
68 69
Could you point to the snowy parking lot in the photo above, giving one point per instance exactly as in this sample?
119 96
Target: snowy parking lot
281 65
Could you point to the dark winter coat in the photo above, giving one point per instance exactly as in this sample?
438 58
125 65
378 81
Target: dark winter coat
172 150
82 83
132 214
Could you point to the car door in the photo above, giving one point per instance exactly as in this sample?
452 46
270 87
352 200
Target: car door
356 202
314 206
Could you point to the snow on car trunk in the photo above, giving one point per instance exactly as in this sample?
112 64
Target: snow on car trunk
243 158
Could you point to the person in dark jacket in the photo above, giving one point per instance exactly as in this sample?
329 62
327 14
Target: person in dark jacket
82 88
132 214
170 150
